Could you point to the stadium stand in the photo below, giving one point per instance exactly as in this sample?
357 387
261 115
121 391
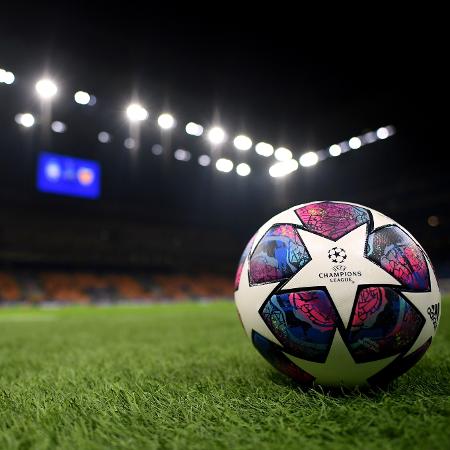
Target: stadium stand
54 254
82 287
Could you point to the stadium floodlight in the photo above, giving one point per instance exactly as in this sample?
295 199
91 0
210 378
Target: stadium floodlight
335 150
194 129
136 113
82 98
242 142
283 168
283 154
204 160
309 159
354 143
6 77
216 135
382 133
46 88
26 120
224 165
157 149
58 127
182 155
166 121
243 169
264 149
104 137
129 143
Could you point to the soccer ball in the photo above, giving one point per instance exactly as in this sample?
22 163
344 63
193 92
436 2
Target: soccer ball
337 294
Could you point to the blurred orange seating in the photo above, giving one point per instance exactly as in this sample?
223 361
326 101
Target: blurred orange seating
127 287
82 287
9 289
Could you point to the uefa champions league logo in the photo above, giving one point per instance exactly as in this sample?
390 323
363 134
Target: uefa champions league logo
340 273
337 255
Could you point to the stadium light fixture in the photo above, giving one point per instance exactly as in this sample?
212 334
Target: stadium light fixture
194 129
216 135
27 120
136 113
58 127
166 121
243 169
242 142
264 149
104 137
129 143
157 149
224 165
335 150
283 168
309 159
82 98
46 88
382 133
354 143
182 155
6 77
204 160
283 154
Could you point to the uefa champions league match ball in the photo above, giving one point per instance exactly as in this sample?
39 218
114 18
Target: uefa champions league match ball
337 294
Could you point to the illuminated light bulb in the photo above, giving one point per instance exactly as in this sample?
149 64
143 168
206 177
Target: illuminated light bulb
354 143
182 155
283 154
309 159
335 150
27 120
46 88
216 135
224 165
194 129
82 98
136 113
243 169
242 142
204 160
166 121
264 149
283 168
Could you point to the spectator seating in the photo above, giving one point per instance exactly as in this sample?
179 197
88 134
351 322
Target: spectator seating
89 287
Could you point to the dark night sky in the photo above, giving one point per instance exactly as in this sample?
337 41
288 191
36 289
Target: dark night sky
296 81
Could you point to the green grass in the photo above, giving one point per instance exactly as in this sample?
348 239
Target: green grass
185 377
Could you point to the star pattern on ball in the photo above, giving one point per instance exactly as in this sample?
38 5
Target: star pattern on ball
356 263
340 366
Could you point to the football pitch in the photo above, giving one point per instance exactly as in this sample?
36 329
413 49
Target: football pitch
184 376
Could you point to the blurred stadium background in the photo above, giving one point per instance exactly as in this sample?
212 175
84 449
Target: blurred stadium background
103 203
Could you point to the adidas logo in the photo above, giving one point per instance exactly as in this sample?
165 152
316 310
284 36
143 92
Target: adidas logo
433 312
